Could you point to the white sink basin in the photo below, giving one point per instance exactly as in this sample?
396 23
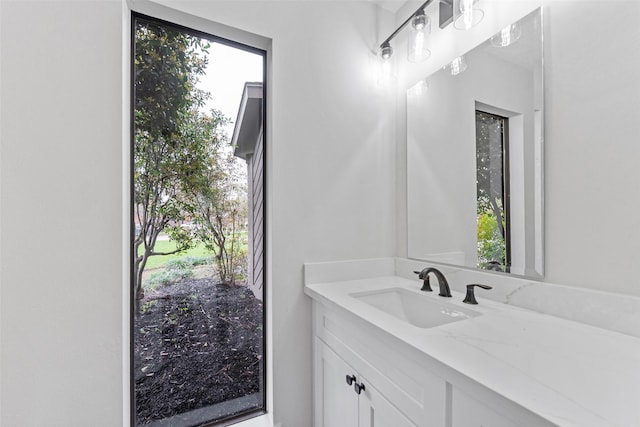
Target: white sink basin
423 311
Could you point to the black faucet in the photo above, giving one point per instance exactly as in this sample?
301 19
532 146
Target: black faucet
470 298
445 291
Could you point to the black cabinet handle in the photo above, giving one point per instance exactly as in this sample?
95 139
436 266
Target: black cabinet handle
470 298
351 379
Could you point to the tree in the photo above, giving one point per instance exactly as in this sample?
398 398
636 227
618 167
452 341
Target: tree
168 160
219 203
489 160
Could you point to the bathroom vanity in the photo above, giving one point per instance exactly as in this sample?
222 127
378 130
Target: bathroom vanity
387 354
531 353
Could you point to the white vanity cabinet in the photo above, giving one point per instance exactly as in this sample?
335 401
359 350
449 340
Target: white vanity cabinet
397 391
348 399
337 402
402 387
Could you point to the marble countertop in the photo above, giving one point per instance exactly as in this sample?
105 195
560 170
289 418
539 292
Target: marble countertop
567 372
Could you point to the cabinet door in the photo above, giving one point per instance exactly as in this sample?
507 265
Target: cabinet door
336 402
376 411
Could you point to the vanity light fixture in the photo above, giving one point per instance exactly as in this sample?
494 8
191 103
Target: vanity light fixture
421 26
507 36
463 13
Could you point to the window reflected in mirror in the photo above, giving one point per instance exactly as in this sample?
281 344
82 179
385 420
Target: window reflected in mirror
492 182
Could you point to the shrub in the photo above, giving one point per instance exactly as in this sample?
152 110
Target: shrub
199 260
169 277
186 262
148 305
491 245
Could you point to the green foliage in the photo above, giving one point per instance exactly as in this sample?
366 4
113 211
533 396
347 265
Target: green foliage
171 319
178 264
491 245
219 213
186 262
167 65
177 269
169 277
183 164
148 305
167 246
172 138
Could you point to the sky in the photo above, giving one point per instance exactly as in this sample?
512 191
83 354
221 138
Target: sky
228 70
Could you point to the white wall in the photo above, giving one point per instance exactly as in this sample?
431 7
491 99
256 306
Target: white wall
61 176
592 150
592 184
330 191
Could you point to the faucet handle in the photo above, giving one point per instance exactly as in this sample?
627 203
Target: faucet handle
470 298
426 286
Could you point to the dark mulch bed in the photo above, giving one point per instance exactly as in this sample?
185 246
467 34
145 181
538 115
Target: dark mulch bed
197 343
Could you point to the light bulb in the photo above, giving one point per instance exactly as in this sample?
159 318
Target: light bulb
386 52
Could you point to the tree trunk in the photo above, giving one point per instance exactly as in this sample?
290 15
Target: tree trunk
498 214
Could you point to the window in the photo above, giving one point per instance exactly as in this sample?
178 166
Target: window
492 178
197 276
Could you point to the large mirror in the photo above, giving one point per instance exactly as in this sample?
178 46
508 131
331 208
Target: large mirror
474 156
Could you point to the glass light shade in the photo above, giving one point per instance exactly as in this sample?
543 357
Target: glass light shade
507 36
458 65
420 28
386 71
465 15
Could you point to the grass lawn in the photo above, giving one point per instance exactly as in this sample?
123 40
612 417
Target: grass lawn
167 246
